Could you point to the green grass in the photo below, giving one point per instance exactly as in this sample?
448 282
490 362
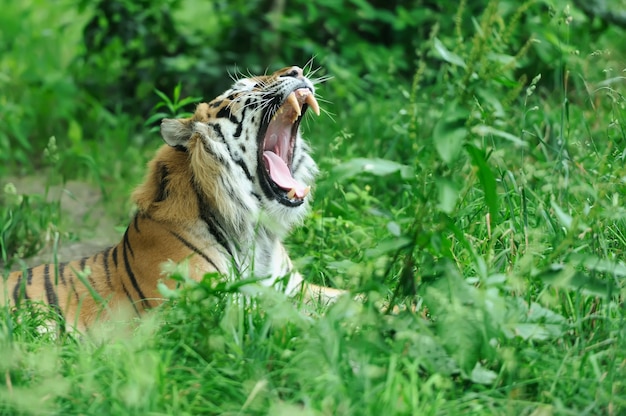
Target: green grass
486 211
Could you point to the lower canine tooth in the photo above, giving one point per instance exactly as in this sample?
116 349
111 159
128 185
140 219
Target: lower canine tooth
306 191
291 194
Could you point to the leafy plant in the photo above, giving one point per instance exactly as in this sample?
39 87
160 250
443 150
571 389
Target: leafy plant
38 95
27 223
174 107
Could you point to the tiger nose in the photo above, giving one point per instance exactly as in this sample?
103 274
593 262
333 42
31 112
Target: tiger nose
294 71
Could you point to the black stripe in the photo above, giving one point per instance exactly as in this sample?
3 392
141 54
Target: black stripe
115 257
247 107
196 250
107 271
163 183
29 276
215 230
214 104
60 269
127 245
237 132
73 286
17 290
218 158
130 299
136 223
225 112
206 215
239 162
228 189
295 166
81 266
234 196
243 166
131 275
218 130
51 295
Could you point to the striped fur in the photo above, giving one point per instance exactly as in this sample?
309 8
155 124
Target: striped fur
207 199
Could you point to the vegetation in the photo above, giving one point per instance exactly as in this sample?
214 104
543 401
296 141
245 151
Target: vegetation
472 189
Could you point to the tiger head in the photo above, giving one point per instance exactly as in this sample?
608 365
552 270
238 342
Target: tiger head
245 145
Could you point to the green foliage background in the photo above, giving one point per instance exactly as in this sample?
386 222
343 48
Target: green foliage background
472 158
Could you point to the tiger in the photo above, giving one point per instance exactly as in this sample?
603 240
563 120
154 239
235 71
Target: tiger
220 195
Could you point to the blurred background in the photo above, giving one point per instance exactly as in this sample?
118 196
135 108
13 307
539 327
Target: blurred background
81 70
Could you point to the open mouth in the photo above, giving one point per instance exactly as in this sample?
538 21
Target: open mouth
277 148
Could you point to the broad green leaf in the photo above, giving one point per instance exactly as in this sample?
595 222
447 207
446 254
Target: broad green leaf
388 246
484 130
74 132
533 322
566 276
535 331
343 266
447 55
501 58
616 268
564 218
376 167
450 132
448 141
155 117
486 178
167 292
482 375
176 94
281 408
163 97
448 195
422 346
394 228
188 100
567 220
461 319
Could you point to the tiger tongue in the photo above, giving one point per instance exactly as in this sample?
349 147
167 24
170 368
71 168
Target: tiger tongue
279 172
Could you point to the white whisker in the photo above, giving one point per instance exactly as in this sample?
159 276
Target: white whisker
308 68
329 114
321 79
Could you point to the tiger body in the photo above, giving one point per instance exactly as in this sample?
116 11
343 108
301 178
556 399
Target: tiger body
220 195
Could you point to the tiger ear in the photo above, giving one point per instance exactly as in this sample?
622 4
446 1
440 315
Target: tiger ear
176 132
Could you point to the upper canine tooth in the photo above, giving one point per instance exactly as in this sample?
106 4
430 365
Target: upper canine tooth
293 101
312 102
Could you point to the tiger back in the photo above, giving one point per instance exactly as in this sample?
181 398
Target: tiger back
220 195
